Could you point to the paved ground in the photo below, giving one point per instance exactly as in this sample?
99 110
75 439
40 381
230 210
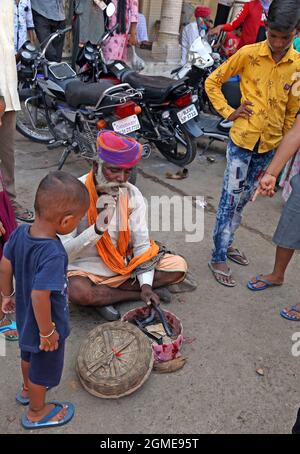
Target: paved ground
233 331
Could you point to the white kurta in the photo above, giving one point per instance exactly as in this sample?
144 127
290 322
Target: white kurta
8 71
81 243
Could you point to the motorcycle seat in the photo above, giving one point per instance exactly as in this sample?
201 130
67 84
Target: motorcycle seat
156 88
79 93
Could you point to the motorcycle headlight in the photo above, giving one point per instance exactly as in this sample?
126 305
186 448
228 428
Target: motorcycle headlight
26 56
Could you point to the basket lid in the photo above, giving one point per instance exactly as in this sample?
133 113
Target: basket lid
115 360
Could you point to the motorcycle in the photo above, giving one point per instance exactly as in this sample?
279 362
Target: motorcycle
73 111
169 113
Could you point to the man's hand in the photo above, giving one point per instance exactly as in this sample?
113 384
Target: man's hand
2 229
8 304
148 296
2 108
106 206
244 111
50 343
216 30
266 187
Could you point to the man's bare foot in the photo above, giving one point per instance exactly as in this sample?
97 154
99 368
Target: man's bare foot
39 415
258 281
222 274
12 332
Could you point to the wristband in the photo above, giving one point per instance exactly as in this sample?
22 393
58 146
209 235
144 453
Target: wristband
99 232
50 334
9 296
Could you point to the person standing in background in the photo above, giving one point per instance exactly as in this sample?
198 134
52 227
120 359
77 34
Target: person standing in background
23 22
48 17
126 15
88 25
252 16
9 105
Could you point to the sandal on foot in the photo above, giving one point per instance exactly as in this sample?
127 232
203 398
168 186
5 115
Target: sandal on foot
21 399
25 215
238 257
46 422
267 284
285 314
217 275
11 327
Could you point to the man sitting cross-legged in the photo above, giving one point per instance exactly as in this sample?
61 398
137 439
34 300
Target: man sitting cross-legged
121 264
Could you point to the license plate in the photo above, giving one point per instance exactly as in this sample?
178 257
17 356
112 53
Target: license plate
127 125
187 114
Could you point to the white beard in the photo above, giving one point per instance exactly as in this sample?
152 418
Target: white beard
103 186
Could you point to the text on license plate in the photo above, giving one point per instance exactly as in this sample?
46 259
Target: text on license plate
187 114
127 125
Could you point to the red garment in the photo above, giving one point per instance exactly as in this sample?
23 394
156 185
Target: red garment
7 217
252 17
231 43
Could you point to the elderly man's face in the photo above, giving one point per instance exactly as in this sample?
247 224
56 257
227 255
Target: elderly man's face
115 174
109 178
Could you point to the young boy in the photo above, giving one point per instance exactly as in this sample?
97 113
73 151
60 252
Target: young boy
268 111
35 256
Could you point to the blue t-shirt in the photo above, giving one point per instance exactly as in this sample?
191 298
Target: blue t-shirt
38 264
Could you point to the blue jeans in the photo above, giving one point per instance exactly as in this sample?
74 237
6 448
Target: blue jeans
243 170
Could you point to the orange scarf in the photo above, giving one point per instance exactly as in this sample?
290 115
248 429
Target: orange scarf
114 257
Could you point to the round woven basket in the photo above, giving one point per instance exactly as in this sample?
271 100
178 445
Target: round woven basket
115 360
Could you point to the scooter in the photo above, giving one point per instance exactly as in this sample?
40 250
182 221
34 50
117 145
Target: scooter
201 62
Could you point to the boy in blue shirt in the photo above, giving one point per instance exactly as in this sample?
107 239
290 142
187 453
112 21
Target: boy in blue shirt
35 256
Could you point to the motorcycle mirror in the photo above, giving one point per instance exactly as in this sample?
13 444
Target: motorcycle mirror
110 10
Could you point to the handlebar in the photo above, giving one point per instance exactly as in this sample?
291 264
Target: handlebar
53 37
108 34
46 72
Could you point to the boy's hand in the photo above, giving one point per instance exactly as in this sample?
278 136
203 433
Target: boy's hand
266 187
50 343
216 30
2 229
8 304
2 108
244 111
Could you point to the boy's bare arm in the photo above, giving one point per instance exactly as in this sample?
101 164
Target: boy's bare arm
6 285
41 304
6 277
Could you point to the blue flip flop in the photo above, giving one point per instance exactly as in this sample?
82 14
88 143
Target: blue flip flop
11 327
22 400
292 318
46 421
258 278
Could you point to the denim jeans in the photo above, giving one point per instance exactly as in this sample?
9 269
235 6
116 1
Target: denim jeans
242 173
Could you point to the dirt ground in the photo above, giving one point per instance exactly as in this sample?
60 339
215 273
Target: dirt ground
231 332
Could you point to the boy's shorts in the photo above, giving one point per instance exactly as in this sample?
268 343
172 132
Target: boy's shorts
45 367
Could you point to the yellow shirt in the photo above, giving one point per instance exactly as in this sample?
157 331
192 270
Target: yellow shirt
268 85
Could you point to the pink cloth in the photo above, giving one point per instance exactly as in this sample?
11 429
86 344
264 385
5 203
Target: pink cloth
7 216
115 48
288 173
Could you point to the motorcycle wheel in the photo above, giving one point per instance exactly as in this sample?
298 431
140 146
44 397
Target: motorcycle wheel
31 121
185 149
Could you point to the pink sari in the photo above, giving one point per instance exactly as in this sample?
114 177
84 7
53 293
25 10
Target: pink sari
7 216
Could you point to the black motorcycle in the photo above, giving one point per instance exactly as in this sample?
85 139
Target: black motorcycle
168 118
63 110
